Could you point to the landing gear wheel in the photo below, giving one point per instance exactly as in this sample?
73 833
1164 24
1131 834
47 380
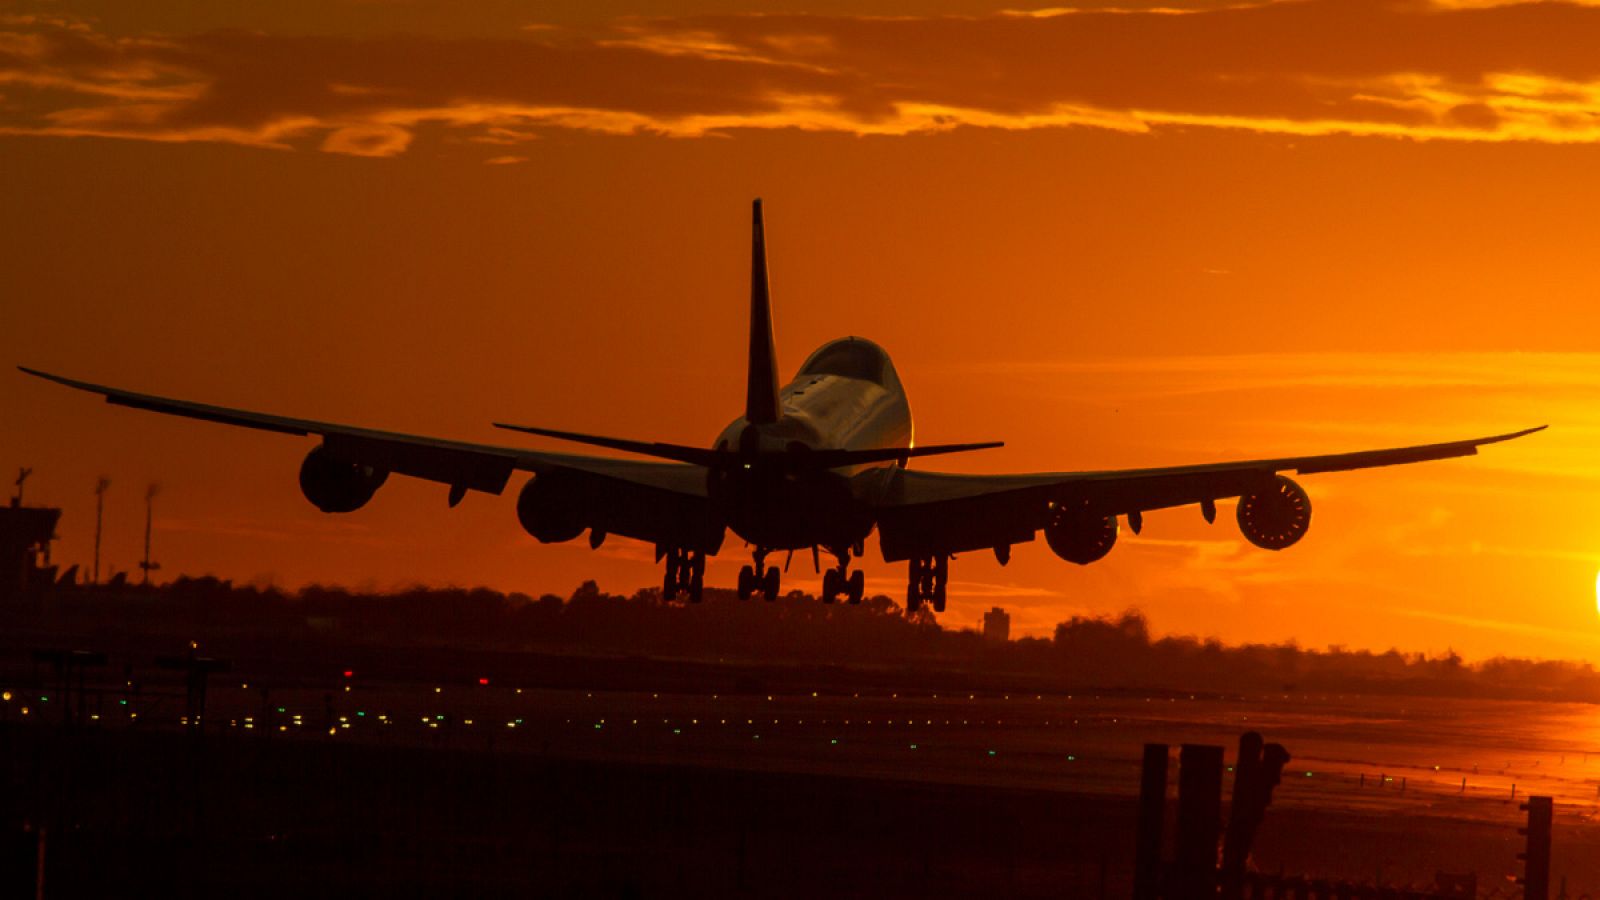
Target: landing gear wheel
747 583
697 578
925 583
669 584
769 583
857 587
830 586
685 575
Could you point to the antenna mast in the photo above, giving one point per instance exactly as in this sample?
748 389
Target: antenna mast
149 515
99 519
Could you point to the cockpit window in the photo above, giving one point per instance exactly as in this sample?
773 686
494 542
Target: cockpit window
850 359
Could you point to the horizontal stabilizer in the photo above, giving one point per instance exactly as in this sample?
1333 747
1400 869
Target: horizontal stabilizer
699 456
812 459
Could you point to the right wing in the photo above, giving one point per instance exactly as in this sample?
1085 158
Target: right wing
926 513
664 503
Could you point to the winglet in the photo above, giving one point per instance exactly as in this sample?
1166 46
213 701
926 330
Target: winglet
761 383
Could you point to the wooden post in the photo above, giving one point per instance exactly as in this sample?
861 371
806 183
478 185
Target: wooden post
1535 878
1199 820
1152 820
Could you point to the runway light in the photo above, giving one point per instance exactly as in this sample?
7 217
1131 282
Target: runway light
991 752
913 746
6 696
1072 759
834 741
483 681
349 673
1308 774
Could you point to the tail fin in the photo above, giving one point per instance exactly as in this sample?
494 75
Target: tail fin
761 385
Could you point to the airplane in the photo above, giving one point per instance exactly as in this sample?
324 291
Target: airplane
819 462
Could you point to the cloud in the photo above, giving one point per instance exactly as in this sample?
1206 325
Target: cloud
1462 71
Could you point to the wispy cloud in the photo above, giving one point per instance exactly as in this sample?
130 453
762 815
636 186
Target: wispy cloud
1467 70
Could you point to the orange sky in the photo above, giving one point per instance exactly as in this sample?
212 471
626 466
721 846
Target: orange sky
1110 239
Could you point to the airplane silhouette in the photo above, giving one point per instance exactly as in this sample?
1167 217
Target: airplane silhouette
819 463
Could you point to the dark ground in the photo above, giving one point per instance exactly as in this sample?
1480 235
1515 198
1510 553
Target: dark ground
141 807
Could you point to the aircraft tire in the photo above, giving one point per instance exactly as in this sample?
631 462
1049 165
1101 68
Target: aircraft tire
830 586
857 587
769 583
747 578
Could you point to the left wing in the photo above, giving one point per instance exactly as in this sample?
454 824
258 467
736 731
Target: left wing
925 513
662 502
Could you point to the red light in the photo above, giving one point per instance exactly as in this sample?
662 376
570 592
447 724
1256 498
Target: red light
349 673
483 681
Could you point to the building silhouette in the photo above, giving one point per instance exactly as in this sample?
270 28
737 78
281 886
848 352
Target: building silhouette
997 625
25 536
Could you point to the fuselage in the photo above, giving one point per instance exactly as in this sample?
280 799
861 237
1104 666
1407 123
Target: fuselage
847 396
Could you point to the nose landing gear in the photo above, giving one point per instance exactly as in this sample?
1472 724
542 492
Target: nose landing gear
762 577
841 580
686 571
928 578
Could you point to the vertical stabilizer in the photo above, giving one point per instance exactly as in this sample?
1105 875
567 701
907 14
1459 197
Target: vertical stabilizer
761 384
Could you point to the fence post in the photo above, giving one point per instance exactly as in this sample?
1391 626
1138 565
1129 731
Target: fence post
1535 878
1199 820
1152 821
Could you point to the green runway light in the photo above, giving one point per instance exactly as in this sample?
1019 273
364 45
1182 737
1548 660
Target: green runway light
991 752
361 712
834 741
677 731
598 726
913 746
123 702
1308 774
1072 759
280 709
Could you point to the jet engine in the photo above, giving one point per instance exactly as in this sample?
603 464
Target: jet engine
336 486
1277 517
1079 536
549 509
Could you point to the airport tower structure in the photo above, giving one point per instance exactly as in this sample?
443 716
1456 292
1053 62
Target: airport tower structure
997 625
25 536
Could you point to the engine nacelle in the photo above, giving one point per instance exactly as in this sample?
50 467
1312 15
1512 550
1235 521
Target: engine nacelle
336 486
1277 517
550 510
1078 536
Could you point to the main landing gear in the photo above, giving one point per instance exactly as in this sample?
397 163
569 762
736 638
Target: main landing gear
929 575
842 581
686 571
762 577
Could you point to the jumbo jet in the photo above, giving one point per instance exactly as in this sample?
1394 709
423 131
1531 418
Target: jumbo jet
817 463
